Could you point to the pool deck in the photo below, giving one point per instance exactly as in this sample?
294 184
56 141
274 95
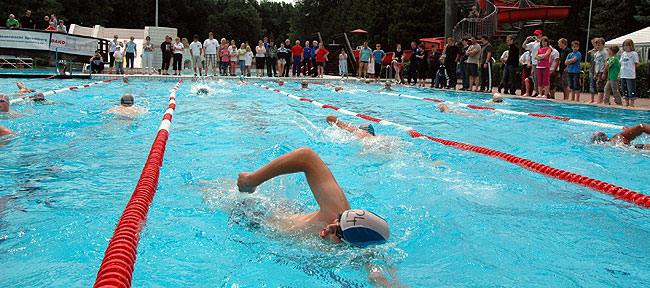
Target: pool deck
641 104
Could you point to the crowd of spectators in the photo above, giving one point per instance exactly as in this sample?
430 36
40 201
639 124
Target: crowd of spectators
49 23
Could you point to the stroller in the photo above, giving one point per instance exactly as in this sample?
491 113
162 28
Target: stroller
441 78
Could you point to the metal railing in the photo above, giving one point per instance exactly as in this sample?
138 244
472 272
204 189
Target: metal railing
486 25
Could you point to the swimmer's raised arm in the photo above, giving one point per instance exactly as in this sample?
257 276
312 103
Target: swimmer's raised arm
631 133
326 190
341 124
5 131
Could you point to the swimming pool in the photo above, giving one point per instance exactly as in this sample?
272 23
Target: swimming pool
457 218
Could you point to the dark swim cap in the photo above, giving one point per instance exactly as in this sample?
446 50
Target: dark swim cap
127 100
368 128
598 137
39 97
363 228
4 98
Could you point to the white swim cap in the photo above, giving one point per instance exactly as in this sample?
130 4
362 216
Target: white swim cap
362 228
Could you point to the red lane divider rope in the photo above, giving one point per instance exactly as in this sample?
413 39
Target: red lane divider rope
601 186
116 269
63 89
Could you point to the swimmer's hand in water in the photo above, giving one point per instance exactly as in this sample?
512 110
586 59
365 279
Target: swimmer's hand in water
244 183
331 119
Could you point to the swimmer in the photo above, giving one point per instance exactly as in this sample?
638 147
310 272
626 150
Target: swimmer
496 98
23 89
334 222
4 131
624 137
127 107
338 89
329 85
363 131
126 81
242 81
4 106
280 82
387 87
443 108
203 90
40 99
304 85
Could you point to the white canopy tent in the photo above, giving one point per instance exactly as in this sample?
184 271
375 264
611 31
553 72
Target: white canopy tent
641 40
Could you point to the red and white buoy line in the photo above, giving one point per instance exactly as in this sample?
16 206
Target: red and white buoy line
594 123
116 269
601 186
63 90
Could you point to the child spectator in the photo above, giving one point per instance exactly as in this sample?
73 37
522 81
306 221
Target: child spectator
612 70
343 63
600 57
119 60
249 60
573 63
543 67
629 64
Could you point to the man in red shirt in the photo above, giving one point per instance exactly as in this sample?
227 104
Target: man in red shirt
297 52
321 53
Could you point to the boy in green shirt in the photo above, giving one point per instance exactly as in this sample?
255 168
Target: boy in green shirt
612 70
12 22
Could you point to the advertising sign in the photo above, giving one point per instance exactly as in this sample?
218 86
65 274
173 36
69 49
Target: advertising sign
22 39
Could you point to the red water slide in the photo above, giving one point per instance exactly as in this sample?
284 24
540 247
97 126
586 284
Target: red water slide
509 12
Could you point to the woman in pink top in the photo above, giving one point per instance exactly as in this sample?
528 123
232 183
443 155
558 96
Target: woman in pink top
225 59
543 67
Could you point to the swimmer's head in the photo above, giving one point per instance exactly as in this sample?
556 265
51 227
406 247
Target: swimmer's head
202 90
127 100
38 97
442 108
497 98
367 81
281 82
4 103
368 128
241 78
387 84
599 137
361 228
338 88
126 80
304 84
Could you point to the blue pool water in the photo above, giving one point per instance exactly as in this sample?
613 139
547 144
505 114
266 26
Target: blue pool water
457 218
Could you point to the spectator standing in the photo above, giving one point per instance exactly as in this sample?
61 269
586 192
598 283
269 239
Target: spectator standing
343 63
451 54
543 67
283 55
503 59
463 65
178 56
473 60
131 52
486 65
511 65
532 44
398 63
592 80
52 27
260 58
314 47
526 74
629 64
271 59
210 52
564 75
234 57
306 59
61 27
249 60
119 60
27 22
45 23
112 45
600 57
241 53
167 51
224 53
423 66
573 68
434 66
12 22
612 71
554 59
196 51
364 55
379 58
287 66
413 64
321 54
147 56
297 51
